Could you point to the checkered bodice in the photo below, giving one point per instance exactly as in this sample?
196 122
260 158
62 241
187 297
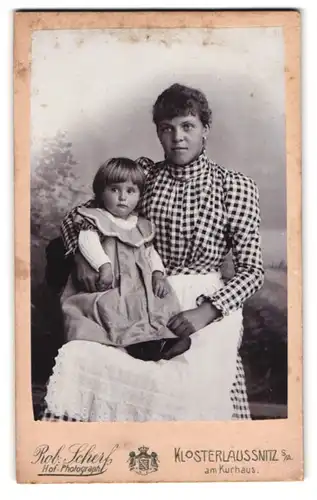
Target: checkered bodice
187 207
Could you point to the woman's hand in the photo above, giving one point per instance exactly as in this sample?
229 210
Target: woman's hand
105 279
188 322
181 346
159 284
84 276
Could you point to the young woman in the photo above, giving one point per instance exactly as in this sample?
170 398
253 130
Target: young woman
201 211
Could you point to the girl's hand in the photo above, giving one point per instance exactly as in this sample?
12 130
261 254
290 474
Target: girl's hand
159 284
188 322
105 279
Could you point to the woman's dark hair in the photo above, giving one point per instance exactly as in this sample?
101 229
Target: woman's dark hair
118 170
179 100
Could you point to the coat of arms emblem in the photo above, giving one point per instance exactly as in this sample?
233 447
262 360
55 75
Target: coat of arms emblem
143 462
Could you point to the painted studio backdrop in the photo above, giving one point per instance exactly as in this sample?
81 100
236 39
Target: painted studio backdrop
92 93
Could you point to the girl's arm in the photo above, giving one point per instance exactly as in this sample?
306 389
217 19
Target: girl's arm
154 259
90 247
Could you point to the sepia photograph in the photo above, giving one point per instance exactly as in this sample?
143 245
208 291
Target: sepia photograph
158 246
158 224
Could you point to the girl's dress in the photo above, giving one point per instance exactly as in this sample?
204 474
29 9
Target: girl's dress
200 211
129 313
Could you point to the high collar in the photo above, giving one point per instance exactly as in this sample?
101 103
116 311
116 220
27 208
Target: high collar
189 171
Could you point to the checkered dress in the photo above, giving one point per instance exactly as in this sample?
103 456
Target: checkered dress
201 211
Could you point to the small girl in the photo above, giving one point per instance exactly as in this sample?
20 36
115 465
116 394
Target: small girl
134 301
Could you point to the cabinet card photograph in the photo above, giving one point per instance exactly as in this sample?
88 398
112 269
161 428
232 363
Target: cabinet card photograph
158 253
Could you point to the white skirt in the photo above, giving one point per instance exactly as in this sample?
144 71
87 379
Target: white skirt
94 382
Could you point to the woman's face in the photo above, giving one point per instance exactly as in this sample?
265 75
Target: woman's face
182 138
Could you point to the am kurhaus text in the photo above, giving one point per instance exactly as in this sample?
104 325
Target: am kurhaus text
219 456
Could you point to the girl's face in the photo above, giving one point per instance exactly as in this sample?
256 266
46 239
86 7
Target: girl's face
120 199
182 138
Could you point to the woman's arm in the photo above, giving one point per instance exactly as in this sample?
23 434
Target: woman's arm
159 283
146 164
90 247
84 276
242 203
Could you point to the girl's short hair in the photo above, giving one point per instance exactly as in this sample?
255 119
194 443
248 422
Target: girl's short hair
118 170
179 100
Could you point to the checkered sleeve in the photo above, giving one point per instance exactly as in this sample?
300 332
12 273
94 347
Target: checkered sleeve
242 203
70 229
